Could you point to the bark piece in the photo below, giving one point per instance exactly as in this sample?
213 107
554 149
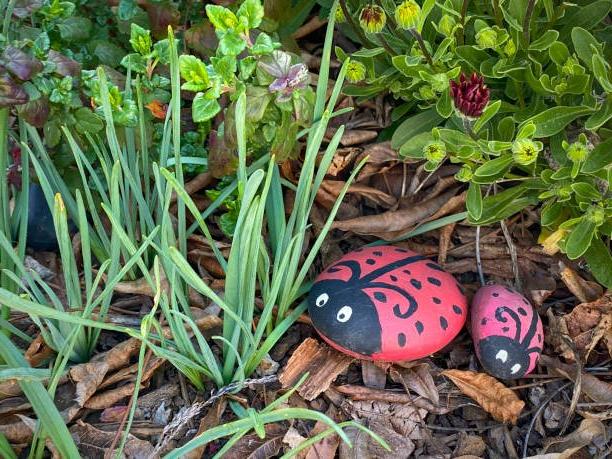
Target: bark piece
322 362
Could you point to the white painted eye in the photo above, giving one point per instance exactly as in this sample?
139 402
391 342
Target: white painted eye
515 368
344 314
322 300
502 355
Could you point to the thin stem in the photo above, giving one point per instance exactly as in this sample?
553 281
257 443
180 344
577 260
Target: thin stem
527 21
460 36
417 36
386 45
499 19
478 260
354 26
5 226
467 125
513 254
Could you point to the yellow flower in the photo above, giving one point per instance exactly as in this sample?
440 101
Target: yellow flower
339 15
408 14
434 152
525 151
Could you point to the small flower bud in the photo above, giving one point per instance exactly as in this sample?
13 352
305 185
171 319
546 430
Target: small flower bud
372 18
470 95
570 66
577 152
446 25
525 151
339 15
434 152
355 71
408 14
510 48
464 174
426 92
487 38
596 215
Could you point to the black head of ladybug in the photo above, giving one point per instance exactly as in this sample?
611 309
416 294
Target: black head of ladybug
345 315
505 357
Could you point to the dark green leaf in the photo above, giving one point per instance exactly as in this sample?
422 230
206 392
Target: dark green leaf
583 42
545 41
87 121
599 259
600 157
555 119
204 108
75 28
414 125
487 114
580 238
586 191
494 166
474 201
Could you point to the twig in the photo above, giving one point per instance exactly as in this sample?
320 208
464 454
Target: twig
464 8
385 44
577 384
315 23
513 255
537 414
527 20
478 261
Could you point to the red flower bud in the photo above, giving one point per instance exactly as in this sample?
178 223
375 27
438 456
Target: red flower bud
470 95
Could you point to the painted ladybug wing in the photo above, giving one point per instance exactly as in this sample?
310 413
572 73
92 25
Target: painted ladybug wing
407 298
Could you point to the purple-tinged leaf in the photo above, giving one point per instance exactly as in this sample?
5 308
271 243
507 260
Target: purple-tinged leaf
11 93
35 112
25 8
20 64
64 66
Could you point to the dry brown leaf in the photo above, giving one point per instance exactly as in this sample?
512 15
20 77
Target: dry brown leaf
252 447
469 445
366 448
38 352
352 136
342 159
407 420
393 222
94 443
210 420
597 390
322 362
327 447
88 376
589 431
334 187
418 379
15 429
499 401
584 290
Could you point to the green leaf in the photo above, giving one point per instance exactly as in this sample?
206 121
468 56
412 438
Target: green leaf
600 70
414 147
444 106
587 15
586 191
231 43
194 72
583 44
474 201
489 112
494 167
204 108
263 44
225 67
252 11
140 39
221 18
580 238
600 157
414 125
599 259
558 52
75 29
545 41
600 117
87 121
554 120
368 52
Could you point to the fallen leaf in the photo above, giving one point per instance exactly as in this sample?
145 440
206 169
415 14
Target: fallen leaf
597 390
322 362
157 109
584 290
373 375
499 401
38 352
252 447
211 419
342 159
365 448
418 379
469 445
366 393
352 136
378 197
589 431
293 438
93 443
327 447
405 419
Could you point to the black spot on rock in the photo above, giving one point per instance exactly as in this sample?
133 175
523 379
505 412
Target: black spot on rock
380 296
525 301
522 312
393 278
378 253
496 294
406 271
434 266
457 310
436 300
401 339
416 284
401 250
505 329
333 270
359 250
443 323
434 281
483 321
509 290
460 287
539 338
419 327
370 261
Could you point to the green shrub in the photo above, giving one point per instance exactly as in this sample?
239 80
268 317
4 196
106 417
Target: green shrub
536 131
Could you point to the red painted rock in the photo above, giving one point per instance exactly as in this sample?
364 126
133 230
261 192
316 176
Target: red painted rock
507 332
387 303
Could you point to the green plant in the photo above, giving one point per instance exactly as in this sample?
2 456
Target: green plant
540 139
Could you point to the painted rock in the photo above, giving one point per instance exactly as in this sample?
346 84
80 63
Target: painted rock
387 303
507 332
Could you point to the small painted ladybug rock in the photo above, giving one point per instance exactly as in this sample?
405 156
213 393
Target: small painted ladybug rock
507 332
387 303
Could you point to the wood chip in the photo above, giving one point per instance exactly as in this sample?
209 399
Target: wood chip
323 364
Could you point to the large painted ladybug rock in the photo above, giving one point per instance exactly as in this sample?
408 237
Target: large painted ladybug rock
507 332
387 303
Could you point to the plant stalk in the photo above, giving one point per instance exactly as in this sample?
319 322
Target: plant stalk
354 26
527 21
5 226
419 39
460 35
